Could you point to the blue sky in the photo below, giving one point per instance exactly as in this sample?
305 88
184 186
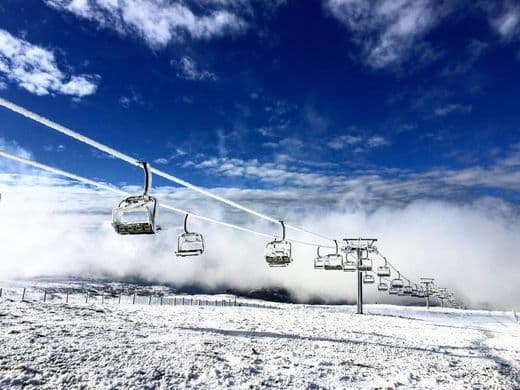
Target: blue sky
379 100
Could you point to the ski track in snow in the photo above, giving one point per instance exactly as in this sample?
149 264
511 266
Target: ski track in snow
56 345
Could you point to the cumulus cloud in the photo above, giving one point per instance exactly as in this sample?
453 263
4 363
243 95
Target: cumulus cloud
159 22
188 69
389 31
36 70
61 229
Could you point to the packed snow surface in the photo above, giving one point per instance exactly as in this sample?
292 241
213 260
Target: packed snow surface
56 345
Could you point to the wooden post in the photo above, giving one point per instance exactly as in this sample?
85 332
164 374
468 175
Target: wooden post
174 301
44 295
86 298
133 299
23 295
161 300
191 301
0 292
150 299
119 300
67 297
103 298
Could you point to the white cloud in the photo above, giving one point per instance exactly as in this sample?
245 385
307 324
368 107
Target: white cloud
506 19
389 31
342 141
35 69
178 152
450 108
132 98
158 22
188 69
409 236
360 143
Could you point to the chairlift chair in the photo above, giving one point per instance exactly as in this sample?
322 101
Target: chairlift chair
397 282
383 270
393 291
401 293
319 261
278 252
334 261
368 278
365 264
189 243
349 265
407 290
137 214
382 286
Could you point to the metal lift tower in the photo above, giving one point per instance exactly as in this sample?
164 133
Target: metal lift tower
360 245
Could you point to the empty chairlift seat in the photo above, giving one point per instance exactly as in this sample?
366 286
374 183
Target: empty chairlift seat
397 282
137 214
383 270
382 286
365 264
189 243
278 253
334 261
368 278
319 261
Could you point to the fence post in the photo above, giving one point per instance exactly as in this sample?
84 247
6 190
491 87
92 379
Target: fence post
119 300
182 301
103 298
174 301
44 295
133 299
1 292
86 298
150 299
161 300
191 302
23 294
67 297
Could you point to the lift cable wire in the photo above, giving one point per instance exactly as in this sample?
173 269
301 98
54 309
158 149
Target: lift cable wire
121 192
104 148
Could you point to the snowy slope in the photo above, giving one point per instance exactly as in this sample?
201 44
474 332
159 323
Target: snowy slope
54 345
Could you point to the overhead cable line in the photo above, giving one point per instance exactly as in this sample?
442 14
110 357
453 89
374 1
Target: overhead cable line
104 148
121 192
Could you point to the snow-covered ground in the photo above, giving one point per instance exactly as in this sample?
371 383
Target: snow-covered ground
58 345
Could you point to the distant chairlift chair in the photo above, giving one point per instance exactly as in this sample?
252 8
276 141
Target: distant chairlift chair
278 253
189 243
334 261
368 278
382 286
137 214
397 282
383 270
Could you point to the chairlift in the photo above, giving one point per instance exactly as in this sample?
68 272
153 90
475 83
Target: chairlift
278 251
401 293
365 264
397 282
137 214
407 290
189 243
368 278
349 265
334 261
393 291
383 270
319 261
382 286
